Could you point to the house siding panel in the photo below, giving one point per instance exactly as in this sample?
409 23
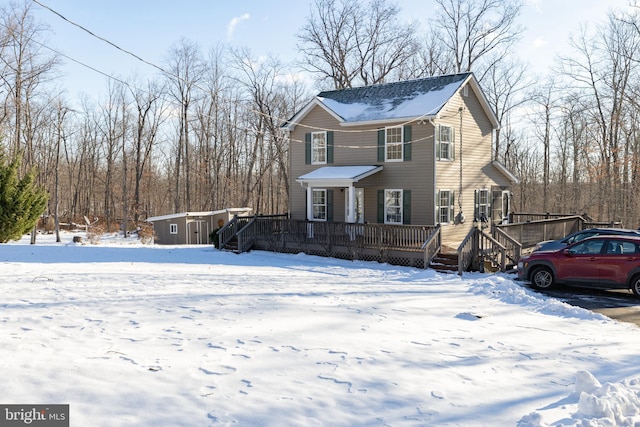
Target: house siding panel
420 173
475 151
358 145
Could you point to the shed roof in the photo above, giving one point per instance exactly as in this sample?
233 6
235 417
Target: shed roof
196 214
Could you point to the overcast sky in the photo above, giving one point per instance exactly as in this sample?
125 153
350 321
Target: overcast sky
150 28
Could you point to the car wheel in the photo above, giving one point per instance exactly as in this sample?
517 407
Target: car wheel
542 278
635 285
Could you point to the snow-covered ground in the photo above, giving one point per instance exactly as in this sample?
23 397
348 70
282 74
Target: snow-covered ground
135 335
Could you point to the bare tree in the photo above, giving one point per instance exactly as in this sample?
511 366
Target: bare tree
185 68
506 84
472 30
149 116
347 43
603 68
24 69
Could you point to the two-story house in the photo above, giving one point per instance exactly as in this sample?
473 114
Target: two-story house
414 152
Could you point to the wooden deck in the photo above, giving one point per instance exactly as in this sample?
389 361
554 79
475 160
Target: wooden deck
407 245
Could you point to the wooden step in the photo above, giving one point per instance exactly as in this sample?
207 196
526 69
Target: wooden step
445 262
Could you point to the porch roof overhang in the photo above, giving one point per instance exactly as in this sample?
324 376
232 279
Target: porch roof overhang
337 176
503 169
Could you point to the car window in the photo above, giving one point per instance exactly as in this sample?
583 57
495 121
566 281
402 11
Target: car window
580 236
590 247
621 248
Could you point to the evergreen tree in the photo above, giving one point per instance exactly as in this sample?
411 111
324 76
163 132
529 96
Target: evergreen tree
21 201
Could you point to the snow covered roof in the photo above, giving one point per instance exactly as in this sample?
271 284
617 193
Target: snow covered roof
412 99
337 176
195 214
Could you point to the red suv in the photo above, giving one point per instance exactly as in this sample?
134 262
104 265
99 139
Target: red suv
604 262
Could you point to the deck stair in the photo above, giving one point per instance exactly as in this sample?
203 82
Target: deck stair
445 262
231 245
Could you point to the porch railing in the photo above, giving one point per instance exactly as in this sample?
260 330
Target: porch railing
467 250
530 233
396 244
432 245
478 247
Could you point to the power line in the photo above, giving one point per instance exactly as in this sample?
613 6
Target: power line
138 58
101 38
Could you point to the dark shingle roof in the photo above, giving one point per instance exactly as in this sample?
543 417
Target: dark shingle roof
413 98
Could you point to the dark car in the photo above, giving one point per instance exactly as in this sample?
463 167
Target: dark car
603 262
554 245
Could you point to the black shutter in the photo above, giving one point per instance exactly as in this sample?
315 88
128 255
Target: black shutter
406 207
330 147
407 143
381 206
307 148
381 145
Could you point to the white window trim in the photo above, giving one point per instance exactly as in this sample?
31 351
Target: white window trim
314 161
313 205
386 207
450 207
387 144
487 205
451 144
173 228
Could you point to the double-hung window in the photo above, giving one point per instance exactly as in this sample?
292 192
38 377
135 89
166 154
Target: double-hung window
482 202
318 148
445 206
393 207
445 142
319 205
393 144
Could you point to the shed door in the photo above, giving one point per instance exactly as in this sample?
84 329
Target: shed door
198 232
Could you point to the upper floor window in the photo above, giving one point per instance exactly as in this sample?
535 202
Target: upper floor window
318 148
445 142
393 144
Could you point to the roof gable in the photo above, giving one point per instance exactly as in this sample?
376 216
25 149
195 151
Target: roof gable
406 100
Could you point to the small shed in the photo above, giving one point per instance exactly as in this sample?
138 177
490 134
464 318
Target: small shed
192 228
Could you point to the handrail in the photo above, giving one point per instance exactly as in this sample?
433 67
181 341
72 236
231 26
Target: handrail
483 254
226 233
514 248
246 236
432 245
466 250
230 229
